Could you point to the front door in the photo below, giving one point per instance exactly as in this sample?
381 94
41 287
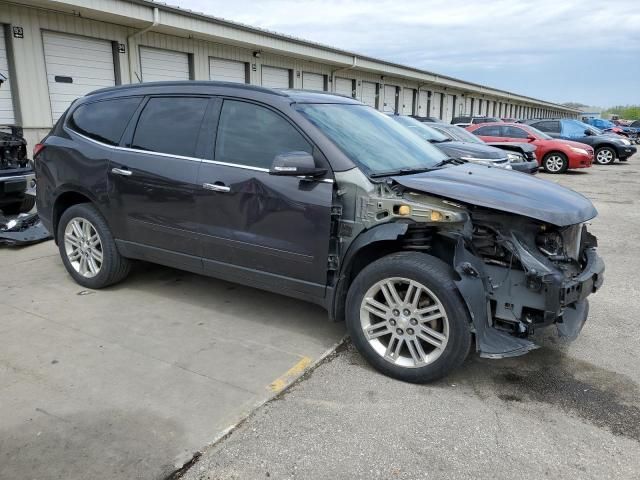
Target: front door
152 180
259 228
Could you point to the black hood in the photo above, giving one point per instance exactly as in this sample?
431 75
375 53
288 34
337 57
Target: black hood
473 150
504 190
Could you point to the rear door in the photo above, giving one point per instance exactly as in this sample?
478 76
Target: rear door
257 227
490 133
152 179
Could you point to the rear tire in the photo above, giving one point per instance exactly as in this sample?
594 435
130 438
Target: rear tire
419 330
87 248
555 162
605 156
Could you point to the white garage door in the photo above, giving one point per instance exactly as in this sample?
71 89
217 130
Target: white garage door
227 70
389 104
6 102
75 66
274 77
312 81
436 99
448 115
423 101
163 65
344 86
368 96
407 101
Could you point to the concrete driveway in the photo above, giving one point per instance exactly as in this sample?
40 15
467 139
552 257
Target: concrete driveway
130 381
560 412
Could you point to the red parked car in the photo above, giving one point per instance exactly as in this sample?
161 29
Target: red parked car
555 156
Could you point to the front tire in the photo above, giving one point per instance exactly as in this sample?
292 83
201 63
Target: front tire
87 248
605 156
555 162
406 317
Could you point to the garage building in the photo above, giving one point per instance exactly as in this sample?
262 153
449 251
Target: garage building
55 51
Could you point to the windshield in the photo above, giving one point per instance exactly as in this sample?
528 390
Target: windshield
460 134
423 131
370 138
537 132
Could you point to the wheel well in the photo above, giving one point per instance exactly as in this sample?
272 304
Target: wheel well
606 145
63 202
555 152
442 248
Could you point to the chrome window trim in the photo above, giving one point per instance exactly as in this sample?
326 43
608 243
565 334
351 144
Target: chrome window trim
181 157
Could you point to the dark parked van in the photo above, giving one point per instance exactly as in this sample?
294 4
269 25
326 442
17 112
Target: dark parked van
324 199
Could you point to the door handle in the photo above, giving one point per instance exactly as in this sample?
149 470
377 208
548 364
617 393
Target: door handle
216 188
121 171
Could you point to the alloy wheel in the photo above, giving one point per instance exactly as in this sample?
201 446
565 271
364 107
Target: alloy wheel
604 156
83 247
554 163
404 322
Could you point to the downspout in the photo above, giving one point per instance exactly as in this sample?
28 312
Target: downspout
333 72
132 66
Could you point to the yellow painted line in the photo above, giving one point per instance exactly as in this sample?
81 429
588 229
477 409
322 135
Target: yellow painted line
290 375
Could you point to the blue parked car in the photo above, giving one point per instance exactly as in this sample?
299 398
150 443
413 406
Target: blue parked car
632 133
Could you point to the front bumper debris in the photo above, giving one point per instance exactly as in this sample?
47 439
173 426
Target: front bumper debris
560 301
25 229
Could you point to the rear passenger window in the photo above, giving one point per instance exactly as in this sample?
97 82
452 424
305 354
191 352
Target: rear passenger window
170 125
252 135
514 132
488 131
550 126
104 121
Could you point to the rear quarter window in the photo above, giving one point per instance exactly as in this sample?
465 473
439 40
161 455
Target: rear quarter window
488 131
104 121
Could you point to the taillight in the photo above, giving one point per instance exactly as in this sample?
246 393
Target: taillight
37 149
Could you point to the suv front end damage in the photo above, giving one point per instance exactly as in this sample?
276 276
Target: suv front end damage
520 266
518 276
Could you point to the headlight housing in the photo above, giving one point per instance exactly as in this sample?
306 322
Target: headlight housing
579 150
550 243
515 157
624 141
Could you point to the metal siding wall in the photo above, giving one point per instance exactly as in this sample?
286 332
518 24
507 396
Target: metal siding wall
30 66
6 100
30 71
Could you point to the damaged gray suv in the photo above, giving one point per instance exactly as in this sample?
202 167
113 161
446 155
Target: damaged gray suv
324 199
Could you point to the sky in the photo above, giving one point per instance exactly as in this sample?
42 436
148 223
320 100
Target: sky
584 51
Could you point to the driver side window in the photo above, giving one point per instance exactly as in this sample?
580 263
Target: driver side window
253 135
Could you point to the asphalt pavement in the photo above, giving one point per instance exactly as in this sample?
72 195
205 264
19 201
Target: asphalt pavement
564 411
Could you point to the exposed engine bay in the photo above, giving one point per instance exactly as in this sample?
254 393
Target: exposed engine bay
516 273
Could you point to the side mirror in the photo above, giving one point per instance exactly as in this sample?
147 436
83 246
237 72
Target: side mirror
588 132
296 164
531 138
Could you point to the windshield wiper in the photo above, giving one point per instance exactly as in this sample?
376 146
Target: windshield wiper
449 161
441 141
401 171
